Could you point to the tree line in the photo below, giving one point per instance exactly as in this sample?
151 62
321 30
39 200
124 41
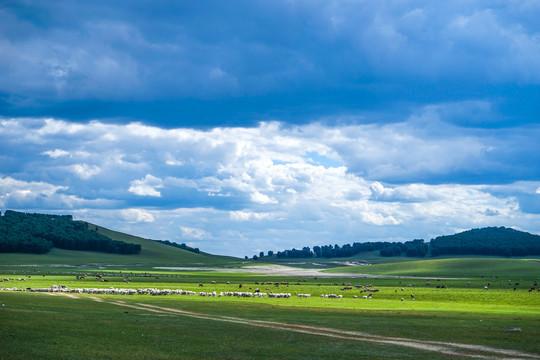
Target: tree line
180 246
499 241
39 233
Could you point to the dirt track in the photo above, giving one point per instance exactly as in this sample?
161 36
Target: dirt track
448 348
281 270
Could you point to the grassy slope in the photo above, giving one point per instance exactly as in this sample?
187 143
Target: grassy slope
372 257
451 267
152 253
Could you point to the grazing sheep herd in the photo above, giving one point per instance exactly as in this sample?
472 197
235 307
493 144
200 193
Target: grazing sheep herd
369 289
152 291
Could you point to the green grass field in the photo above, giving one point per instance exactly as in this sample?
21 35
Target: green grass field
121 327
452 315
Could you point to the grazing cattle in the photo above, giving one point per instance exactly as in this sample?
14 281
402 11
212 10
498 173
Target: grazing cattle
402 299
201 285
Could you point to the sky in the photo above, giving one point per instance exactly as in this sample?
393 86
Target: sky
247 126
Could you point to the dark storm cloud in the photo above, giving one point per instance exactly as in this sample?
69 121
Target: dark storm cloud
235 63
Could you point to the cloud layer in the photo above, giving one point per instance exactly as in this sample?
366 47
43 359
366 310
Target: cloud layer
261 60
254 125
232 190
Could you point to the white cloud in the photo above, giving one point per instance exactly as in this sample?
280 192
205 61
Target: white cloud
379 219
250 215
268 184
20 194
56 153
85 171
146 186
12 190
260 198
137 216
193 233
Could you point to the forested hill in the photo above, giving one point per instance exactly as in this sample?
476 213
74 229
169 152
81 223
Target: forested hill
38 233
487 241
499 241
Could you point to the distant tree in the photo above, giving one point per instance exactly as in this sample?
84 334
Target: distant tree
255 257
182 246
270 253
261 254
387 251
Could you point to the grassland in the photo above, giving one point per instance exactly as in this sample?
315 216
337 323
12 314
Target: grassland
125 327
451 315
453 267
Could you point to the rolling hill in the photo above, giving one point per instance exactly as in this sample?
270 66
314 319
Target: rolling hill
151 252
